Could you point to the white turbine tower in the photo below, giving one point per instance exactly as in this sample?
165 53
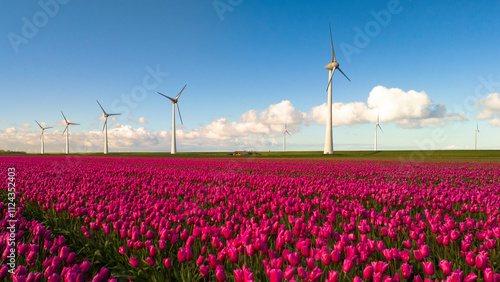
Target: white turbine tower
377 125
42 137
105 127
173 149
285 132
332 66
67 131
475 136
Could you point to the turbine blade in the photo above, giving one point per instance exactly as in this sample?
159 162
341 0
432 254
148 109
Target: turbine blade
344 74
101 108
331 41
378 118
64 117
48 127
171 99
380 128
41 135
179 113
66 128
105 122
38 124
114 114
178 95
288 132
329 82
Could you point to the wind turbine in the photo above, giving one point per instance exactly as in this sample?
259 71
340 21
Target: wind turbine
475 137
105 127
42 150
173 149
377 125
67 131
332 66
285 132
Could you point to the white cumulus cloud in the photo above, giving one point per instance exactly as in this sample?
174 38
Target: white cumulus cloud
410 109
490 107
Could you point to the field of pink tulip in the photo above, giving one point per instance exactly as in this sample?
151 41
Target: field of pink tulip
163 219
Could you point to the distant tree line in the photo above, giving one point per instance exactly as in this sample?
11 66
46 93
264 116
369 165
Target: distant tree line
9 152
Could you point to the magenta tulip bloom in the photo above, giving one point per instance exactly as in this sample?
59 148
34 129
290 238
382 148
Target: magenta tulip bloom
152 251
387 254
301 272
150 261
488 275
294 259
357 279
276 275
134 262
406 270
71 258
85 266
346 267
200 260
4 270
289 272
368 272
472 277
233 255
204 271
336 256
445 266
220 274
181 255
424 250
167 262
333 276
418 255
326 258
63 252
481 262
162 244
470 259
428 268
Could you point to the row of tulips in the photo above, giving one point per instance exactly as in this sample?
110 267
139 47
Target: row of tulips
254 220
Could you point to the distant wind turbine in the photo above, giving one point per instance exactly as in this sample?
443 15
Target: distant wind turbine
377 125
105 127
173 149
42 136
475 136
285 132
332 66
67 131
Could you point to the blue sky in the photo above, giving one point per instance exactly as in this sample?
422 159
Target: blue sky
429 69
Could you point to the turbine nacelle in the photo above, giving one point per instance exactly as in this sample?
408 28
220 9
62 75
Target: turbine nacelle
332 65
